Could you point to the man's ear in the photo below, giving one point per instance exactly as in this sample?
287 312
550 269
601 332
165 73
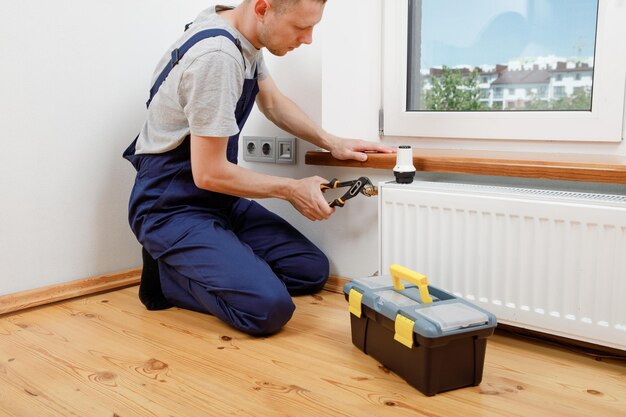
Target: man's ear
261 7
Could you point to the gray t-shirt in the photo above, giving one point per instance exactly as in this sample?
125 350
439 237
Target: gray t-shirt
200 94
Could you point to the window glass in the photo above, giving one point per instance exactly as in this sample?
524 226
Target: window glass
469 55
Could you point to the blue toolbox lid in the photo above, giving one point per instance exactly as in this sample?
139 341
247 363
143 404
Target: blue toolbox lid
444 315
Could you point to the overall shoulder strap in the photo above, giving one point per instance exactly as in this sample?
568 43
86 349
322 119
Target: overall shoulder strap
178 53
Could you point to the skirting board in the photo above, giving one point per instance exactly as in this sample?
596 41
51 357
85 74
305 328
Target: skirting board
32 298
335 284
11 303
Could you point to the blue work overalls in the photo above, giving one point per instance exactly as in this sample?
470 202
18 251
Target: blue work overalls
217 253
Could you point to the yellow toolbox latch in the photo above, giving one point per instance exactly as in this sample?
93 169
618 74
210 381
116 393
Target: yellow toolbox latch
354 301
404 330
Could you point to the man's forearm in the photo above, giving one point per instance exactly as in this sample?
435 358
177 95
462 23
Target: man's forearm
212 172
234 180
286 114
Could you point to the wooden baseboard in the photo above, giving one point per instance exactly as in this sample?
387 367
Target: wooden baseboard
335 284
11 303
32 298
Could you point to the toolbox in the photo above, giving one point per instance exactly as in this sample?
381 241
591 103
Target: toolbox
429 337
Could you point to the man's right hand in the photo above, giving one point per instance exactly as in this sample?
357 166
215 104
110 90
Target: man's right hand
306 197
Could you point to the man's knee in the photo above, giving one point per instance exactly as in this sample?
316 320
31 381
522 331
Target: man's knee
311 273
272 312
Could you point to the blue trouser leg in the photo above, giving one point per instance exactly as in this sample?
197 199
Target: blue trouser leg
293 258
243 275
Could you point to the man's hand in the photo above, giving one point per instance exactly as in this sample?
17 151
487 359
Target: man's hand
289 117
356 149
306 196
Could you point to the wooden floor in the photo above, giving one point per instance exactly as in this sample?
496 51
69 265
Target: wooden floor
104 355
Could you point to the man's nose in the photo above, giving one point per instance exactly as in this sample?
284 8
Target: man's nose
307 37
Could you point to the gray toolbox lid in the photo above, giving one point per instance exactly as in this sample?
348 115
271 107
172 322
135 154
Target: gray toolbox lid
453 316
446 315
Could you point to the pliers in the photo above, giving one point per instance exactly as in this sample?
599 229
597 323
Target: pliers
361 185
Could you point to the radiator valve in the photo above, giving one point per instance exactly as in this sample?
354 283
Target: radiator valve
404 169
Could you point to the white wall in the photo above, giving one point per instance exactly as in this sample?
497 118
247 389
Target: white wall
73 83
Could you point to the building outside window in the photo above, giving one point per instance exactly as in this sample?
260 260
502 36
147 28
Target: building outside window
464 55
559 92
509 69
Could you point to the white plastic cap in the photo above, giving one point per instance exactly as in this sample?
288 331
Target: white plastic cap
404 159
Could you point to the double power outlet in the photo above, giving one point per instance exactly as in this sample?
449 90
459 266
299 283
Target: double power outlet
269 149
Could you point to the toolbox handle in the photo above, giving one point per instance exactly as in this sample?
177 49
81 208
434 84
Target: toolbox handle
399 273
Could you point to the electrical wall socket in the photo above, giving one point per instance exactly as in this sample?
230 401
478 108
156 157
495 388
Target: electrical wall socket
269 149
286 151
250 148
259 149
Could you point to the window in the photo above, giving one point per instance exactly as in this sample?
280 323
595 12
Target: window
438 54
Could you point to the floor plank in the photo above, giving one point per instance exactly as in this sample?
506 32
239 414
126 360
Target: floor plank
104 355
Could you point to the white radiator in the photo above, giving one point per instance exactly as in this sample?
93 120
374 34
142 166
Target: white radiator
549 261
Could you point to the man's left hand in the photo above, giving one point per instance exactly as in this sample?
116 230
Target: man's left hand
357 149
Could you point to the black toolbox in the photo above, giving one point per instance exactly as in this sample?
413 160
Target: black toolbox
432 339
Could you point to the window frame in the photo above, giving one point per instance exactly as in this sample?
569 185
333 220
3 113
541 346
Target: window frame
604 123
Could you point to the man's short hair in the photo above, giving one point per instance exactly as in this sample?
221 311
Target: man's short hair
281 6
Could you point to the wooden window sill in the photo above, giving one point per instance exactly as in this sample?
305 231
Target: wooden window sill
566 167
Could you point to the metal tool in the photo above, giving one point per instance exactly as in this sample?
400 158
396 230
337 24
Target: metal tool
362 185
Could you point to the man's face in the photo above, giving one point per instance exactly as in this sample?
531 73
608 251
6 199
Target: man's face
285 31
